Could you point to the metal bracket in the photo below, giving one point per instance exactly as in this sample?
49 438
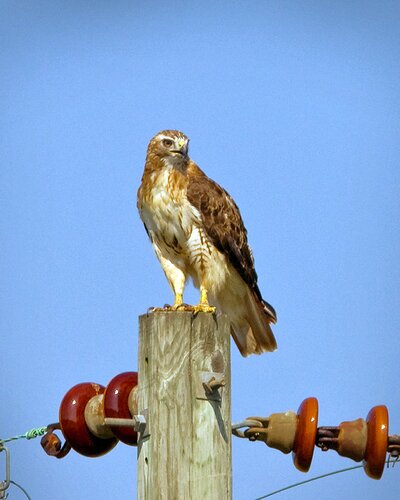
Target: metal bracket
5 484
143 426
209 385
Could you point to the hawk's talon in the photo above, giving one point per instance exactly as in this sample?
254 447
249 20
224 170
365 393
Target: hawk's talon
182 307
166 308
185 308
204 308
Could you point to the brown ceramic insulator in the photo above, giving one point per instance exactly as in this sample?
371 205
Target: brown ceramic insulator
94 418
306 433
73 424
281 431
375 453
352 439
116 404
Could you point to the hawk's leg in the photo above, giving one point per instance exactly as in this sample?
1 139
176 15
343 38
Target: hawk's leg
176 279
178 300
204 306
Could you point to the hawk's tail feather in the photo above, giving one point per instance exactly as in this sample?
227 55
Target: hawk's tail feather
254 336
269 311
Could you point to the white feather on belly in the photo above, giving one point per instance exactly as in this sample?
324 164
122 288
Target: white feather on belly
175 227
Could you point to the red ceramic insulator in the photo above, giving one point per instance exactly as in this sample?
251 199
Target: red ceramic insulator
115 403
73 424
377 442
306 433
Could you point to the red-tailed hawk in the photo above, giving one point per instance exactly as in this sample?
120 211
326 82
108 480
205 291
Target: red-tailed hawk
197 231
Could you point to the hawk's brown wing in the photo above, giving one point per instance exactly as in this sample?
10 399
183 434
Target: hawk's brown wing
224 226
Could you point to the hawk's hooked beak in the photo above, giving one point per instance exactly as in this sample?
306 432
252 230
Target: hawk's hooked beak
182 148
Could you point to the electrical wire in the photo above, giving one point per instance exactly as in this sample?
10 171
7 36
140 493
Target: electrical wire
314 479
22 489
31 434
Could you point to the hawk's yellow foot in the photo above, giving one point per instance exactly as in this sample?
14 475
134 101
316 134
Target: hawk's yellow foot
204 306
178 306
178 302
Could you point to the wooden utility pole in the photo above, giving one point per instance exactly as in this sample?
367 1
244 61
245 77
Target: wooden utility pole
185 451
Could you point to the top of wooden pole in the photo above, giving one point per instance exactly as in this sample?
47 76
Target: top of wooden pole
185 451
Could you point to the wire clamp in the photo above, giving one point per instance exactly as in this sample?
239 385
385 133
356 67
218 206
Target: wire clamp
51 443
250 423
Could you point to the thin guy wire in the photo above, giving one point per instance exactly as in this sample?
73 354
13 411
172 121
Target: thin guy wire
314 479
22 489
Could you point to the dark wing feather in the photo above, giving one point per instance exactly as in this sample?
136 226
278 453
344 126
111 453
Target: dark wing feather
224 226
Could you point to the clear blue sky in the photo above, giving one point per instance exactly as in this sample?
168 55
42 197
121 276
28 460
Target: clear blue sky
293 106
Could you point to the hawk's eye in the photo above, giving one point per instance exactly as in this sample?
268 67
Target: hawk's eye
167 143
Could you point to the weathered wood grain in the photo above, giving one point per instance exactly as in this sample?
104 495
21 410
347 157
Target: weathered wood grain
185 452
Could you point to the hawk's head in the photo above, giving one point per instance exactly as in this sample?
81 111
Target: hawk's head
170 146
